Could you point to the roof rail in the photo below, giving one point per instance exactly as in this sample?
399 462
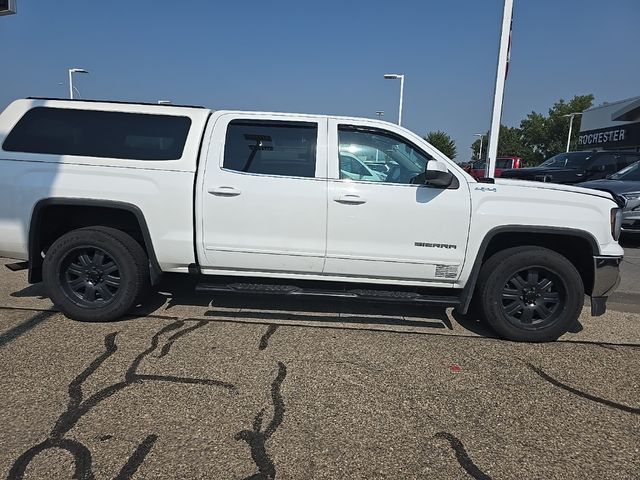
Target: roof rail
114 101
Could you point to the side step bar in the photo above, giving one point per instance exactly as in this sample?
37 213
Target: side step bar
356 293
16 267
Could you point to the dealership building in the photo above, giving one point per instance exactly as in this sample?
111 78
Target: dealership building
611 126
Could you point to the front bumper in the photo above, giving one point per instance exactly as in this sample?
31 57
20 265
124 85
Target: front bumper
606 277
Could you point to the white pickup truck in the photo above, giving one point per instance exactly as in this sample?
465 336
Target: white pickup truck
100 198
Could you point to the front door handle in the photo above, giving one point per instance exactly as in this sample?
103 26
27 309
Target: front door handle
225 191
350 199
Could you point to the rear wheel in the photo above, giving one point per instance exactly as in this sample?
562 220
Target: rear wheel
530 294
95 273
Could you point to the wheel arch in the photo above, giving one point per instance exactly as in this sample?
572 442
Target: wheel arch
578 246
53 217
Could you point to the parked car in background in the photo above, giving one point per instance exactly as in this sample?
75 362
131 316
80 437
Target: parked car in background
374 159
353 168
575 167
477 168
625 183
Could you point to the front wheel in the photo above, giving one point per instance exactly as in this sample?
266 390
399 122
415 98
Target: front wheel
95 274
530 294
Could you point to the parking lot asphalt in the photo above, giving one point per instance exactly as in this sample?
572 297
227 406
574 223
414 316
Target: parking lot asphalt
248 387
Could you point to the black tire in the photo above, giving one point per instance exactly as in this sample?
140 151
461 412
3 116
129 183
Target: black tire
95 274
539 308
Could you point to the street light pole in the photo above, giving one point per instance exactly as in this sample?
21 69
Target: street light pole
71 72
571 117
401 93
396 76
498 95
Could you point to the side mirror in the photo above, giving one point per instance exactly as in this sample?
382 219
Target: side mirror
436 175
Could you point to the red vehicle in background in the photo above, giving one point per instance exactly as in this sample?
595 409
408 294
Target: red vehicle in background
477 168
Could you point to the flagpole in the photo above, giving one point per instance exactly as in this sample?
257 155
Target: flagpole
498 96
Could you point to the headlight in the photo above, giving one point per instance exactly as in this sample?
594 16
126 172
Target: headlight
632 195
616 223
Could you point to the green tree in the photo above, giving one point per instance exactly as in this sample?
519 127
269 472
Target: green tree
442 142
539 136
511 142
547 135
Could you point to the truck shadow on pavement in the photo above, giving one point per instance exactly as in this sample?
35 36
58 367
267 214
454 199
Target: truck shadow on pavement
315 312
176 291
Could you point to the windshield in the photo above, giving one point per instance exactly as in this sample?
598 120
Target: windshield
632 172
562 160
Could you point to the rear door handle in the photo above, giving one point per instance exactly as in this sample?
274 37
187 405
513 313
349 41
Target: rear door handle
350 199
225 191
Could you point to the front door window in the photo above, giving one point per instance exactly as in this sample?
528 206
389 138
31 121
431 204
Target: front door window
376 156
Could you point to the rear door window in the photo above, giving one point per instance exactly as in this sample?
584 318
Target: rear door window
271 148
94 133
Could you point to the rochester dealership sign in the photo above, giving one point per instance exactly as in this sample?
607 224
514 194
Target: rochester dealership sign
626 135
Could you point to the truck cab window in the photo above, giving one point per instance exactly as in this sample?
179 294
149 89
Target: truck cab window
271 148
374 155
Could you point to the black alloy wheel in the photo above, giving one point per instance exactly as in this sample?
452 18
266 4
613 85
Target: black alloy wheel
95 274
90 276
529 293
532 298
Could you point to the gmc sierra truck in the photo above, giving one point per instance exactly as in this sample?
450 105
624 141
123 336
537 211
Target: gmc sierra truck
99 199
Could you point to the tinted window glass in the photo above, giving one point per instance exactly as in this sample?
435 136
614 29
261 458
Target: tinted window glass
631 173
272 148
504 163
91 133
625 160
351 164
606 162
567 160
373 148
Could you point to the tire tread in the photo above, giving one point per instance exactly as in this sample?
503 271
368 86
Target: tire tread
137 263
490 273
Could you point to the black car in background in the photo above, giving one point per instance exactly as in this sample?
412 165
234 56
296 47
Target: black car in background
575 167
625 183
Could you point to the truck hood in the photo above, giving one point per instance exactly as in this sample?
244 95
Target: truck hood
537 170
609 185
538 173
558 187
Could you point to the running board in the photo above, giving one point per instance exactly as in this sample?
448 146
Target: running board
406 296
16 267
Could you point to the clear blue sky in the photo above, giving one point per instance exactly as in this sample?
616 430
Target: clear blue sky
327 56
